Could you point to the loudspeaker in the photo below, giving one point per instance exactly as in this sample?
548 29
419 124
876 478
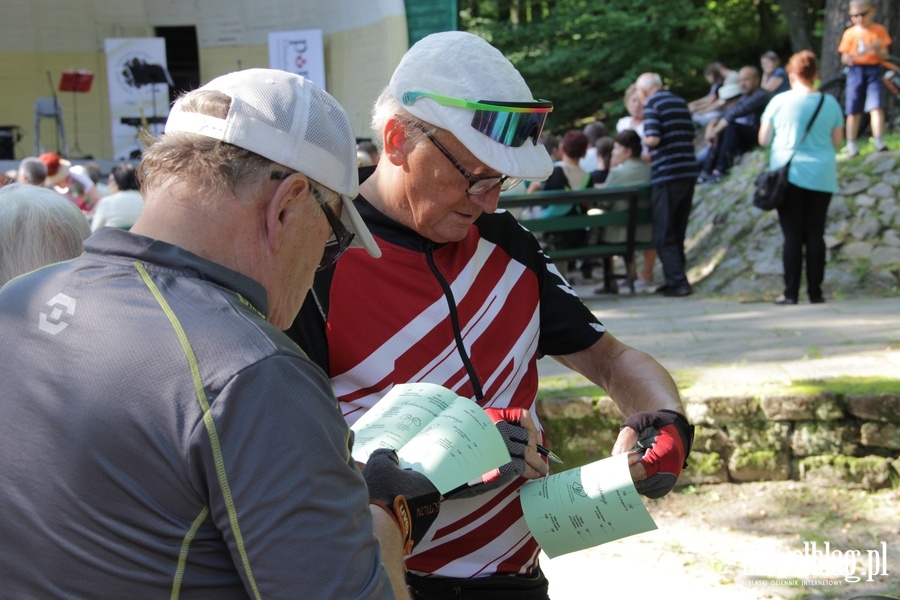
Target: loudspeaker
9 135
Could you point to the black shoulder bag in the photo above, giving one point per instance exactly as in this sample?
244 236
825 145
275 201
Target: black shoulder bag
771 186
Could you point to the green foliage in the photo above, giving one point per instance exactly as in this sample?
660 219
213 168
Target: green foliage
705 463
583 54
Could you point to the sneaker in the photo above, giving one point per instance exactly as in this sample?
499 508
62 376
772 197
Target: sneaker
882 148
678 292
848 152
640 286
709 179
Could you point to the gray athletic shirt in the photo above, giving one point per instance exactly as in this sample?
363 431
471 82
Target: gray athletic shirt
159 438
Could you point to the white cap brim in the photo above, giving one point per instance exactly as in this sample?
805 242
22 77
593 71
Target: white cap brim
353 221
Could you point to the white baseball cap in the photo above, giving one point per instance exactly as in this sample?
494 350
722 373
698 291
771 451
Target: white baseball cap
464 66
729 91
292 121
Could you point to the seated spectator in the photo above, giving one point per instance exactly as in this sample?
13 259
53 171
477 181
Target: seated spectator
627 169
96 175
79 188
553 144
370 150
737 130
594 131
32 171
728 95
774 77
566 175
38 227
363 159
604 148
124 205
705 109
635 119
57 169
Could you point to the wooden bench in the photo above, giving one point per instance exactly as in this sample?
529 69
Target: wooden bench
628 218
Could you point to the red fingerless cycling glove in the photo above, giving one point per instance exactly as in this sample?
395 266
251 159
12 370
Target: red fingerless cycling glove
665 436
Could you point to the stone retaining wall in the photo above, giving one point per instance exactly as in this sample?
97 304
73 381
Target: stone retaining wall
735 249
829 439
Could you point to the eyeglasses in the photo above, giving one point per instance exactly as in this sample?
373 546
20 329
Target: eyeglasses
338 243
510 123
477 187
860 15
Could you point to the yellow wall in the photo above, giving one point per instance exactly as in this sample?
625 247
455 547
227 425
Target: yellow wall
37 36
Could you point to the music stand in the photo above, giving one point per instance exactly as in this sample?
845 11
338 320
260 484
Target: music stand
146 74
77 82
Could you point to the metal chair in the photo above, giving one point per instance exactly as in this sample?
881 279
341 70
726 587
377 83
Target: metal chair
47 107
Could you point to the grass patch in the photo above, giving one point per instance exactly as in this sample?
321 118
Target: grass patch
573 385
576 386
568 386
845 386
813 352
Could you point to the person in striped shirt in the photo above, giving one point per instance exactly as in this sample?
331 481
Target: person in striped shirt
669 133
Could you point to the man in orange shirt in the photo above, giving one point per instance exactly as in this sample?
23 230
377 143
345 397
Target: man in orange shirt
863 46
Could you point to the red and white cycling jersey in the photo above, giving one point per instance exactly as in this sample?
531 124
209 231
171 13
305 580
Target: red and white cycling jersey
472 316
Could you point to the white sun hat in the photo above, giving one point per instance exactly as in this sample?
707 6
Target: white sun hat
292 121
464 66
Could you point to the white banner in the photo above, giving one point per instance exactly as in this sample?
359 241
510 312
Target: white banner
300 52
138 91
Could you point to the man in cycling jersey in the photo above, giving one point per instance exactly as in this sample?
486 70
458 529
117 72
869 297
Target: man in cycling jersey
465 298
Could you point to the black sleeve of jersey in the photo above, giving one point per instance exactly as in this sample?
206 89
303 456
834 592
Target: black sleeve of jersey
567 325
308 329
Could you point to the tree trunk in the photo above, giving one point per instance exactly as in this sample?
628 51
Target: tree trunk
888 14
835 22
795 14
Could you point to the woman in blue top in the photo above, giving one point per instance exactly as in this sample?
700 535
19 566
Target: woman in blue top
812 177
774 78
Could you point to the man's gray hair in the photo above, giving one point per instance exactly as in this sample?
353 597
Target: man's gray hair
32 170
201 165
38 227
649 82
387 107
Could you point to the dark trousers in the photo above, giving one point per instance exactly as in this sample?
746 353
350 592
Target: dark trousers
497 587
734 140
802 219
671 203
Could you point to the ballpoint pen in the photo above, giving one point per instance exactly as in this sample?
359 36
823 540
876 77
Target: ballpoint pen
549 454
541 450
